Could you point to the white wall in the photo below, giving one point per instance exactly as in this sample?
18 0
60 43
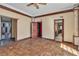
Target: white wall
47 29
76 17
68 25
48 25
0 28
23 23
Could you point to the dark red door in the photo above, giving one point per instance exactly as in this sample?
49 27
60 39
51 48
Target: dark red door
34 30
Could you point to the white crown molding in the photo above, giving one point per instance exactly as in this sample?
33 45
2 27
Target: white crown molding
4 4
34 12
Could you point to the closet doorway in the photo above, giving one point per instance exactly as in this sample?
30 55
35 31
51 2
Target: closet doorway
59 30
36 29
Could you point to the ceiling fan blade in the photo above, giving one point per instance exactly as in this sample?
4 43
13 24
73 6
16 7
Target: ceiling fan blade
29 4
36 6
43 3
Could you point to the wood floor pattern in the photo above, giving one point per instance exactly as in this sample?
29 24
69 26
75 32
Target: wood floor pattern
38 47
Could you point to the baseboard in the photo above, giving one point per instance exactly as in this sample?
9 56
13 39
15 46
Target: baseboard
74 40
68 42
58 41
48 38
23 39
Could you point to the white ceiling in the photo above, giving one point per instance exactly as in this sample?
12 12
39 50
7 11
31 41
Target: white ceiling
44 9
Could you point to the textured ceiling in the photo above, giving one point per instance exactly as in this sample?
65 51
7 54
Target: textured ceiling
44 9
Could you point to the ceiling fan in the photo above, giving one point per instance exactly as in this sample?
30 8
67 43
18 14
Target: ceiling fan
36 4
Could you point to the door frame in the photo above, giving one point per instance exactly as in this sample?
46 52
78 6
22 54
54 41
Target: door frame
11 25
62 29
6 21
31 28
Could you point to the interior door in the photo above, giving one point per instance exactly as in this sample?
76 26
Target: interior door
34 30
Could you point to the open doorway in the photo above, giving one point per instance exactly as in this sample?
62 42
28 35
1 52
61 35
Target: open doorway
36 29
59 30
8 30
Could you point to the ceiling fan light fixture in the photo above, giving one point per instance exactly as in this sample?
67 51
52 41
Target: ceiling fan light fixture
36 4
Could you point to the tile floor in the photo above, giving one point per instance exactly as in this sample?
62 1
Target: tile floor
38 47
